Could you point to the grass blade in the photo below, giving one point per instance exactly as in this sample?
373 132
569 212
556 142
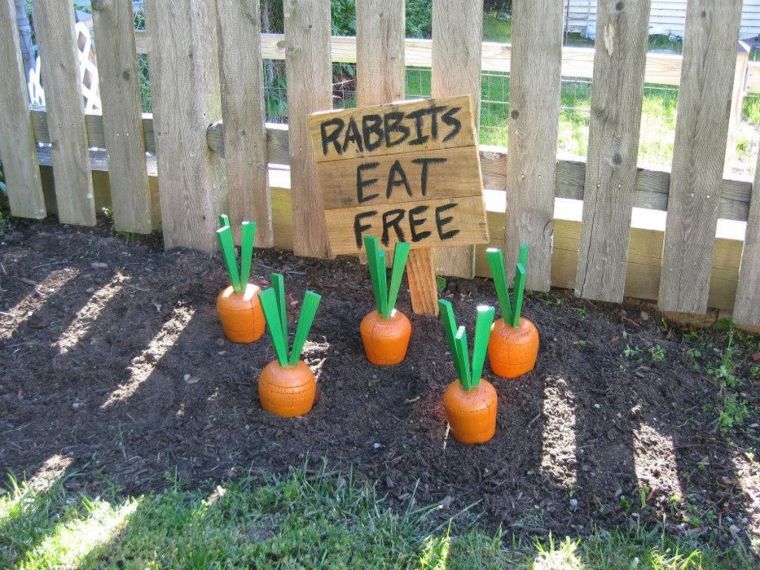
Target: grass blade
520 275
224 220
465 377
305 320
227 245
271 309
370 246
480 343
400 255
278 284
499 273
247 239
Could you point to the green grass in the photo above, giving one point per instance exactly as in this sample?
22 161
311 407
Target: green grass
301 521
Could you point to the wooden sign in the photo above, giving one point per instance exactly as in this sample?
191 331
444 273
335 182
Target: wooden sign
403 172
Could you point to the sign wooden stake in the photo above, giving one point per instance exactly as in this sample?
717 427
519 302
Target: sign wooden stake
402 172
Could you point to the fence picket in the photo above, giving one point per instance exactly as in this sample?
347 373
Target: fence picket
534 119
54 26
122 115
457 43
185 78
309 76
747 304
17 147
618 91
245 142
709 59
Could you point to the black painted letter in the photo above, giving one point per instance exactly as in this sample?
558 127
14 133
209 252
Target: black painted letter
440 222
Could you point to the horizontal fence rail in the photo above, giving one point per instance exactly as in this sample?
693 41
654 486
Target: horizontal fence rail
208 147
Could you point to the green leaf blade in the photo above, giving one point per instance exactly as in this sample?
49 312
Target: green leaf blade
278 284
495 260
460 340
270 306
370 246
483 325
247 240
400 255
520 277
224 220
305 320
227 246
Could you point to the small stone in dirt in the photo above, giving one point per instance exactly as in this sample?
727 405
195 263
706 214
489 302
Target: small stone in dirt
193 380
573 504
644 316
447 501
98 265
220 342
376 445
76 405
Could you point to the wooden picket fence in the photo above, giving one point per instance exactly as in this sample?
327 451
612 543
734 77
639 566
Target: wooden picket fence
209 148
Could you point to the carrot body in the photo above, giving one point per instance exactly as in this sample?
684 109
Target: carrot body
287 391
386 340
241 314
512 351
471 413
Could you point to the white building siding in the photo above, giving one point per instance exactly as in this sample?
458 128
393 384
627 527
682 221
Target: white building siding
666 18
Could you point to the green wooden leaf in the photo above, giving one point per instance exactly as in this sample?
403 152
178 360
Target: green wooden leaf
278 284
460 340
271 309
227 245
520 276
305 320
400 255
224 220
450 331
499 273
370 247
382 281
247 238
480 343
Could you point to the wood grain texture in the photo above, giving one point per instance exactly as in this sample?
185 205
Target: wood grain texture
242 82
185 77
17 147
122 115
422 283
621 45
380 71
747 303
534 115
54 25
709 57
309 75
456 62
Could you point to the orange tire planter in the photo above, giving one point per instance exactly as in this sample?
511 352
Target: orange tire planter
241 314
512 351
287 391
471 413
386 340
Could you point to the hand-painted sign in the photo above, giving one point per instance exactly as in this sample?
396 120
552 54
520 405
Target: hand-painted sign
406 171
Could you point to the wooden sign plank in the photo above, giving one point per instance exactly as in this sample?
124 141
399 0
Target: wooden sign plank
394 179
534 119
704 104
186 101
309 74
122 116
429 195
54 24
747 304
621 46
245 142
17 147
443 222
393 128
457 46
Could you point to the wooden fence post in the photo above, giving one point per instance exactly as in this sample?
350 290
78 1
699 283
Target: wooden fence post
17 147
613 148
54 25
185 77
122 115
737 104
534 120
309 75
457 45
245 137
747 304
709 61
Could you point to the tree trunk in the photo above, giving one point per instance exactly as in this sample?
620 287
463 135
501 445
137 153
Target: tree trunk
25 36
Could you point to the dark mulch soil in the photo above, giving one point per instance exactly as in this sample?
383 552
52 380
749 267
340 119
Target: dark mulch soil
114 364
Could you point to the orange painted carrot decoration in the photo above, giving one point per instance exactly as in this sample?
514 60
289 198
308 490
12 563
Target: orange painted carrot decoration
238 305
287 386
470 401
513 347
385 331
